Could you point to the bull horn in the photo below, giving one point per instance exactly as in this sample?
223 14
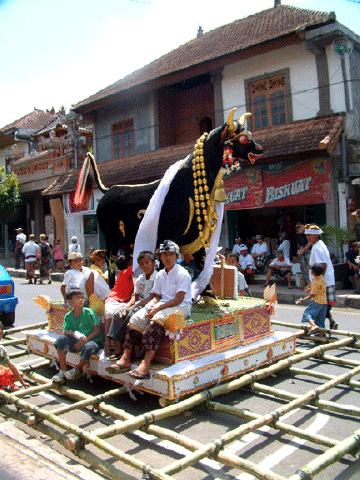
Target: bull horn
230 123
243 118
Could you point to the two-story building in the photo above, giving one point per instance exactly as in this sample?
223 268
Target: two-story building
297 71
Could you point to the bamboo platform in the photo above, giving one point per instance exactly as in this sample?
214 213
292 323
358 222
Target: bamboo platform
105 435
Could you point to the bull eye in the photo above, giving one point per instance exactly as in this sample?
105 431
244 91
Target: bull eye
243 139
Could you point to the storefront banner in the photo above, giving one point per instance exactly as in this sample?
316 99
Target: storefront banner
279 185
244 190
303 183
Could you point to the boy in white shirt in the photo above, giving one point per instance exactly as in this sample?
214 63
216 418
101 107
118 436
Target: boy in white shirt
232 259
280 267
77 276
171 292
142 295
246 263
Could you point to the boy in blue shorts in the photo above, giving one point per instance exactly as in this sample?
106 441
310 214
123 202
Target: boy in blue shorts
315 312
81 333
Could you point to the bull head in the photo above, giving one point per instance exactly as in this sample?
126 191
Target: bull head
238 143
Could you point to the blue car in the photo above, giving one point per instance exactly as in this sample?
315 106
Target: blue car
8 301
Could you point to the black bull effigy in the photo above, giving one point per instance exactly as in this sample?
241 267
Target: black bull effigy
187 210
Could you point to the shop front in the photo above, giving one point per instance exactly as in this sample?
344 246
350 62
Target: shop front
267 198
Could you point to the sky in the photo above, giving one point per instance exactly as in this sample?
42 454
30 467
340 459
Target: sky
57 53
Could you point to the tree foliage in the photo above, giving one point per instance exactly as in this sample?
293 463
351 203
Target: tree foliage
9 191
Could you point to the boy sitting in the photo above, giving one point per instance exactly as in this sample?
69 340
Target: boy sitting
232 259
142 295
172 292
81 333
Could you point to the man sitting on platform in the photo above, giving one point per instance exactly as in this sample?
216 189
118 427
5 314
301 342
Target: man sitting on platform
172 292
280 267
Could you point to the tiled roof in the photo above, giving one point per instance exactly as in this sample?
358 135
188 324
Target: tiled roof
299 138
33 121
239 35
303 136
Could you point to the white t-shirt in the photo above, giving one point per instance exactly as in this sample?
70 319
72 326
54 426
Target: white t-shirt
258 249
320 254
236 248
74 247
101 288
21 238
144 286
246 261
285 247
30 250
241 282
77 278
169 284
281 263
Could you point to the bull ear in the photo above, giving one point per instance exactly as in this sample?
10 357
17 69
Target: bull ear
243 118
230 123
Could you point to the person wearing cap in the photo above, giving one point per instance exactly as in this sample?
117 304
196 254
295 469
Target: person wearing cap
77 276
280 267
246 263
260 252
19 243
320 254
172 292
238 244
356 214
74 246
352 266
31 251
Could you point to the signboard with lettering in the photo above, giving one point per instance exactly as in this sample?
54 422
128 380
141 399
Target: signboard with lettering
303 183
279 185
244 190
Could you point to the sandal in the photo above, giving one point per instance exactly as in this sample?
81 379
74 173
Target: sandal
313 330
117 369
139 376
115 356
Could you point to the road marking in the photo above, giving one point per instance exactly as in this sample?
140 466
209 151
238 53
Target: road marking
274 459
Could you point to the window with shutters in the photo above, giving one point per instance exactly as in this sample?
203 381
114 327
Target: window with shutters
268 102
123 138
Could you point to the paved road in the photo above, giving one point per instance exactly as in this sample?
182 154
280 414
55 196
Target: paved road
281 453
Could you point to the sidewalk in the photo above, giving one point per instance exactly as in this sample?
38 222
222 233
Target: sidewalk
345 298
25 457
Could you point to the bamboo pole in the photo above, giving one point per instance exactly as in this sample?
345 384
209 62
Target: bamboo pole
321 404
87 436
322 376
283 427
350 445
267 419
336 360
17 341
342 333
25 328
74 443
103 466
18 354
93 401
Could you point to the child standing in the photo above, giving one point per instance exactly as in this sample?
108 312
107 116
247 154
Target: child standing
81 333
8 371
142 295
172 292
315 312
77 276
